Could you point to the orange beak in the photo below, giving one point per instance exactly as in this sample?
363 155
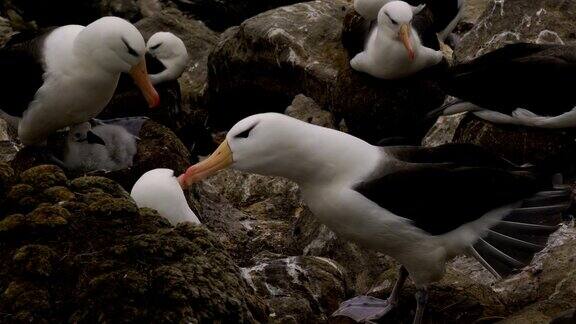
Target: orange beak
220 159
140 75
404 36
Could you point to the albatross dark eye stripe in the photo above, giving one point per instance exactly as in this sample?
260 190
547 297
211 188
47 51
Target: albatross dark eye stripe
156 46
131 51
246 133
392 20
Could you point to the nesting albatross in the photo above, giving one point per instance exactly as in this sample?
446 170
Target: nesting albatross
523 84
422 206
394 49
66 76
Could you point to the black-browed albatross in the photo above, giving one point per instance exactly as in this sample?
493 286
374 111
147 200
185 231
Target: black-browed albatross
393 49
422 206
68 75
435 22
523 84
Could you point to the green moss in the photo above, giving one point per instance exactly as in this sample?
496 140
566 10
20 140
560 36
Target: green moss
44 176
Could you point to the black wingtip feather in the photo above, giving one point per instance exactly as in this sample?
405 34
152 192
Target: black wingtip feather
512 243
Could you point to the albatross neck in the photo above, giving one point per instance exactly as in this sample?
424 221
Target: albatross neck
329 156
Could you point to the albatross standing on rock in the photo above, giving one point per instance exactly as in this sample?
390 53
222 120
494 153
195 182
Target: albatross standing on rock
159 189
67 76
422 206
522 84
394 49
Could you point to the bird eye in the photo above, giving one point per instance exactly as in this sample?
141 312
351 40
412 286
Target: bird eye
131 51
156 46
392 20
245 133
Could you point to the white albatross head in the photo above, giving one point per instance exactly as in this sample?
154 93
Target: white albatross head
159 189
171 51
395 19
277 145
116 46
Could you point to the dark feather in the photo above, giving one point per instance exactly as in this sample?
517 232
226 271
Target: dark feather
442 188
22 67
536 77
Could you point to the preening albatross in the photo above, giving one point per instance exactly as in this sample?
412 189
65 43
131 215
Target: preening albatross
422 206
68 75
160 190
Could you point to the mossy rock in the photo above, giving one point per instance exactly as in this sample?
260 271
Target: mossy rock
82 250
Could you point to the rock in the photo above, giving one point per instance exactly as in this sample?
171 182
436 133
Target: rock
307 110
298 50
469 293
363 266
65 12
9 145
251 213
182 101
158 147
111 261
538 21
517 144
5 30
298 289
255 214
222 14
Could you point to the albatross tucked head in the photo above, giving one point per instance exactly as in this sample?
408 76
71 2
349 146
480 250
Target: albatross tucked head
171 51
116 46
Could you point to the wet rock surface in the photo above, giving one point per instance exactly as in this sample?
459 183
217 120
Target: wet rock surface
76 250
511 21
283 52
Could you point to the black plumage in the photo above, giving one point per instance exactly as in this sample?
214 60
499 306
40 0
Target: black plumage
22 65
537 77
440 189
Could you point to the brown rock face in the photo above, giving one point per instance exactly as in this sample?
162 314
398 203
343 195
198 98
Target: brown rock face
266 61
537 21
94 254
221 14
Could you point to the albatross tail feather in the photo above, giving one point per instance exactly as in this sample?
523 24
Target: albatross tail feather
511 244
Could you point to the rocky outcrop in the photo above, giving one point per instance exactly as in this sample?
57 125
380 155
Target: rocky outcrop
221 14
65 12
298 289
305 109
516 143
266 61
77 250
537 21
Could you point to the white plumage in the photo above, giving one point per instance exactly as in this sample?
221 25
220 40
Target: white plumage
394 49
159 189
171 52
117 153
81 67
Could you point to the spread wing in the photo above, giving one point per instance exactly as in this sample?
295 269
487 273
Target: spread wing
446 190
